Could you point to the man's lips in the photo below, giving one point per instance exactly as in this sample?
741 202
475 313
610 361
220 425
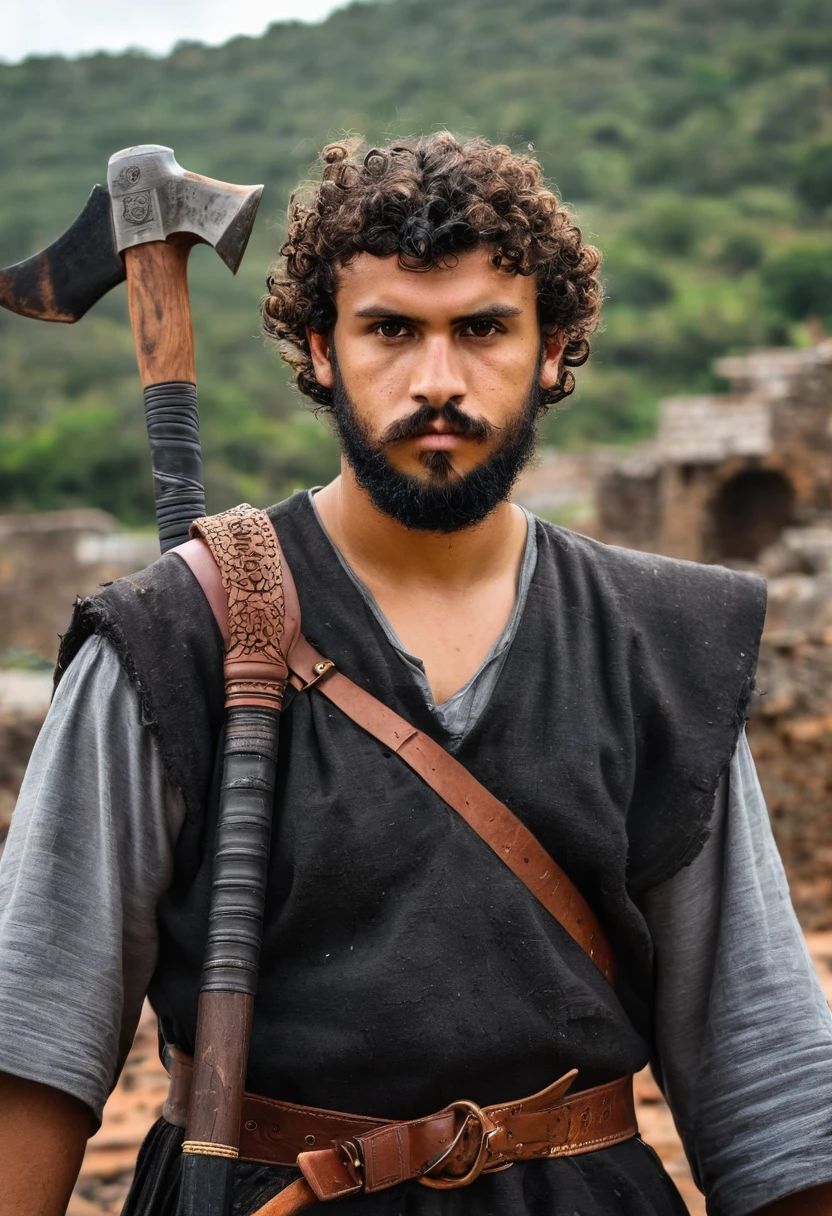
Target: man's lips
439 441
440 436
437 434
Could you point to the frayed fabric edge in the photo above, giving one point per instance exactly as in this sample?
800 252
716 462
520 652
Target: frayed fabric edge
90 617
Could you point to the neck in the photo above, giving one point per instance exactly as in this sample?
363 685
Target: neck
377 547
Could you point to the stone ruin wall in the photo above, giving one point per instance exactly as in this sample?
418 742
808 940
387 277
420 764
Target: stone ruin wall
790 730
18 731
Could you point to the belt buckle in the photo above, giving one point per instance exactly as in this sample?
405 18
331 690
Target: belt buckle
352 1157
487 1129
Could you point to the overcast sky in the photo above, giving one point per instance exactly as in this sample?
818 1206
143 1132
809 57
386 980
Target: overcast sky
58 27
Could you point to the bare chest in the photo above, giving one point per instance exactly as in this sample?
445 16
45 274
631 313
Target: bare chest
450 634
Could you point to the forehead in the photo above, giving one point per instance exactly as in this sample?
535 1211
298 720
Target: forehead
470 283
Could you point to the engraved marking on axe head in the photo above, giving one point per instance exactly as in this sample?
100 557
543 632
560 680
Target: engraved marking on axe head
64 280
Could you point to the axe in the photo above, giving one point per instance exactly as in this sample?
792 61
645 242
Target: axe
142 227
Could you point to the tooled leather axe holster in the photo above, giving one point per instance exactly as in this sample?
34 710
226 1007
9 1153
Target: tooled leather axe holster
259 632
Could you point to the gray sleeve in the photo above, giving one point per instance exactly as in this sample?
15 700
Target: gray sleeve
743 1030
89 852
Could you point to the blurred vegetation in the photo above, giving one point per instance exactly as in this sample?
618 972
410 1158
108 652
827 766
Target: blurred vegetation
693 137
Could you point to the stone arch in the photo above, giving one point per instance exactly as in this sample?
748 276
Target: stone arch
750 511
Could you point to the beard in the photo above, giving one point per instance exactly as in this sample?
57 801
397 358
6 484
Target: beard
444 500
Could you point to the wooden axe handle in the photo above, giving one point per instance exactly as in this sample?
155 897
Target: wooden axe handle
160 311
160 314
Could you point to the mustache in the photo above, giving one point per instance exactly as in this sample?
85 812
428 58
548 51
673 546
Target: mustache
459 423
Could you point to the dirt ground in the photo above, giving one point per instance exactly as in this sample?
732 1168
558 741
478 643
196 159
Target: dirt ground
138 1098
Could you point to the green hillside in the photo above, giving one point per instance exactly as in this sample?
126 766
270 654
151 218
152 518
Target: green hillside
693 137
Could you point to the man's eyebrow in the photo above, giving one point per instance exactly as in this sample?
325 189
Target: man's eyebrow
379 311
389 314
485 314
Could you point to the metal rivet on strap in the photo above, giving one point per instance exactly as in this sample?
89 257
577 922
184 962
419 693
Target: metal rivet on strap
251 1126
309 1139
321 669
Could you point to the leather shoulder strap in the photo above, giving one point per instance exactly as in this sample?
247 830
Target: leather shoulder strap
491 819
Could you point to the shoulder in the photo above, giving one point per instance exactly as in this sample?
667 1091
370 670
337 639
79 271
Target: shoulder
158 609
673 646
296 508
628 572
169 647
661 595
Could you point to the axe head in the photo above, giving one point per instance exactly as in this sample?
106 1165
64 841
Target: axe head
149 198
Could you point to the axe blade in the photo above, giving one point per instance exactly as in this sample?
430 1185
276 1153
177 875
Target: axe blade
63 281
154 199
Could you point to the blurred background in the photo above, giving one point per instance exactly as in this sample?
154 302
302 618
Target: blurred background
693 139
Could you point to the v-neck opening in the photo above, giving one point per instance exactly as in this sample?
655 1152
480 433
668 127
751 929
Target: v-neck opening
414 665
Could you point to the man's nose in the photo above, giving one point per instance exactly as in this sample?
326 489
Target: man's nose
437 377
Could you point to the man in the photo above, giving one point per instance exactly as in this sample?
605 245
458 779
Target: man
434 297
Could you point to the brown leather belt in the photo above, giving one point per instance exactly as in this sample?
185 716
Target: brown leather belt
341 1154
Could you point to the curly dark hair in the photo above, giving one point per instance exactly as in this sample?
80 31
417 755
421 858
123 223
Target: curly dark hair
428 199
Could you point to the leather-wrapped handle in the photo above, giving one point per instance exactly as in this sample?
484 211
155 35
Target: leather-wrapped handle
241 854
172 416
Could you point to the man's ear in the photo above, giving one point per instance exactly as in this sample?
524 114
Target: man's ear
319 350
550 364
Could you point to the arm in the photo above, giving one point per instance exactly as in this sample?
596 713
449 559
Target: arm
743 1031
89 853
39 1125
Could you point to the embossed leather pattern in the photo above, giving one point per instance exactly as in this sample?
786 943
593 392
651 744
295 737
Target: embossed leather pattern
244 546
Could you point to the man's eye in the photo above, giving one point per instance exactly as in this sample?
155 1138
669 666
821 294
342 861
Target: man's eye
482 329
391 329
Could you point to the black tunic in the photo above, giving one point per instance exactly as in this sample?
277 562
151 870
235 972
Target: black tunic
403 967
